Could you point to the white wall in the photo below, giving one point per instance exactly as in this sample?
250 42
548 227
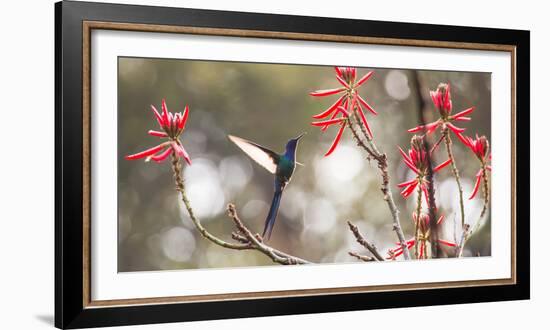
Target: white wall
26 163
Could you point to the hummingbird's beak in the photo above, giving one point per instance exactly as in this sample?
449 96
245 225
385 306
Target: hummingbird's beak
299 136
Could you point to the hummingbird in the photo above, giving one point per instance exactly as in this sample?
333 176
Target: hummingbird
281 165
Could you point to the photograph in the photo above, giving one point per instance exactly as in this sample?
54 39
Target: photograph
227 164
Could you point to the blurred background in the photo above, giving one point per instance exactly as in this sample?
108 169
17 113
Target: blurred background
269 104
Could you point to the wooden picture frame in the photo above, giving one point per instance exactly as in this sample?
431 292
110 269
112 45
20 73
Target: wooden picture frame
75 21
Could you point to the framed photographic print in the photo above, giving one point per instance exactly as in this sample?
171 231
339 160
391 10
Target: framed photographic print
218 164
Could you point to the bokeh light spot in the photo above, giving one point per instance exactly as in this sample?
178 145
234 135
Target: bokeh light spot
397 85
178 244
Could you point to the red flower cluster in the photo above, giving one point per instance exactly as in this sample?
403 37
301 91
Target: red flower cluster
424 228
442 100
480 147
417 160
172 126
345 105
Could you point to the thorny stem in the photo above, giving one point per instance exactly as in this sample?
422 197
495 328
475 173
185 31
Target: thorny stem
417 223
485 190
248 241
465 226
370 153
382 161
448 144
361 240
361 126
467 233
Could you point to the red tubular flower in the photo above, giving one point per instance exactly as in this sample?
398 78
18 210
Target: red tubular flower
172 126
336 139
448 243
477 184
417 160
396 252
480 148
442 101
424 229
348 103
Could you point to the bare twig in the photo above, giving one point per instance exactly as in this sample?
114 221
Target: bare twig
382 161
239 238
245 238
361 240
361 257
257 244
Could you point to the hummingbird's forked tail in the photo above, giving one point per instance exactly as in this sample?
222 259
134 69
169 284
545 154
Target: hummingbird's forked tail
273 210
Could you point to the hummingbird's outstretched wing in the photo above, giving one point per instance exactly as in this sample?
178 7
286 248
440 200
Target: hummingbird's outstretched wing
261 155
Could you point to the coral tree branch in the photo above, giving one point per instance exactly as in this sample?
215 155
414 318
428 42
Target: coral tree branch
369 246
245 238
432 208
256 242
382 160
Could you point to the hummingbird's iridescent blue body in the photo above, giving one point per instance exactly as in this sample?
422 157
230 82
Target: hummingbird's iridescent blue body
287 161
282 166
